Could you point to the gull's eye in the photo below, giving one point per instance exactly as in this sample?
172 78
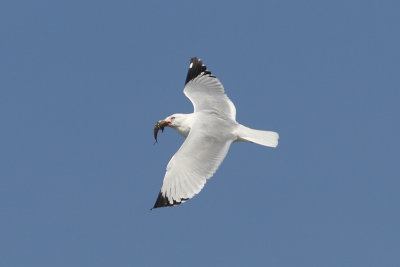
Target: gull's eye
172 118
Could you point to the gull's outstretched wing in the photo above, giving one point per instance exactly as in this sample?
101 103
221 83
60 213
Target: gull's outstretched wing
196 161
206 91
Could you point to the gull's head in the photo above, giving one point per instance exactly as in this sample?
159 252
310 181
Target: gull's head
177 121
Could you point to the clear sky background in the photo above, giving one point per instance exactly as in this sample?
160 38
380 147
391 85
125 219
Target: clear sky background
83 82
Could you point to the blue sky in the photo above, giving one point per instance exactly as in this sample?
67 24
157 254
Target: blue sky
82 83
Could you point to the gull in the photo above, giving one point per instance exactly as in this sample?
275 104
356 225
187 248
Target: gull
209 131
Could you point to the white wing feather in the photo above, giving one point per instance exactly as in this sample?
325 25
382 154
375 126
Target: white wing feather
207 93
196 160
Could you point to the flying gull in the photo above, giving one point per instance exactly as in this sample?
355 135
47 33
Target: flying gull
209 132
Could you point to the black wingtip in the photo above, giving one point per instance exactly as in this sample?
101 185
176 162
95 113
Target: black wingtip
163 201
196 67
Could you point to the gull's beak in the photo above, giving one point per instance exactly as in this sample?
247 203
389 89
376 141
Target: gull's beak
159 125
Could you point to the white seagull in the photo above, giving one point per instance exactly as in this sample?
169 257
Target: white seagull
209 132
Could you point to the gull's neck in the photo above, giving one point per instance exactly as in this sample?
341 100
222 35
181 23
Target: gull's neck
185 124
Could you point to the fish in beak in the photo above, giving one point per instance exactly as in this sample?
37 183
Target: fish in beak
159 125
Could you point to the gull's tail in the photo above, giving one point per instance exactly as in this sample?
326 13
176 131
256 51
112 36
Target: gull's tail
264 138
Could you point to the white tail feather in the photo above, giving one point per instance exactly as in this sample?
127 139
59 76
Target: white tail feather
264 138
